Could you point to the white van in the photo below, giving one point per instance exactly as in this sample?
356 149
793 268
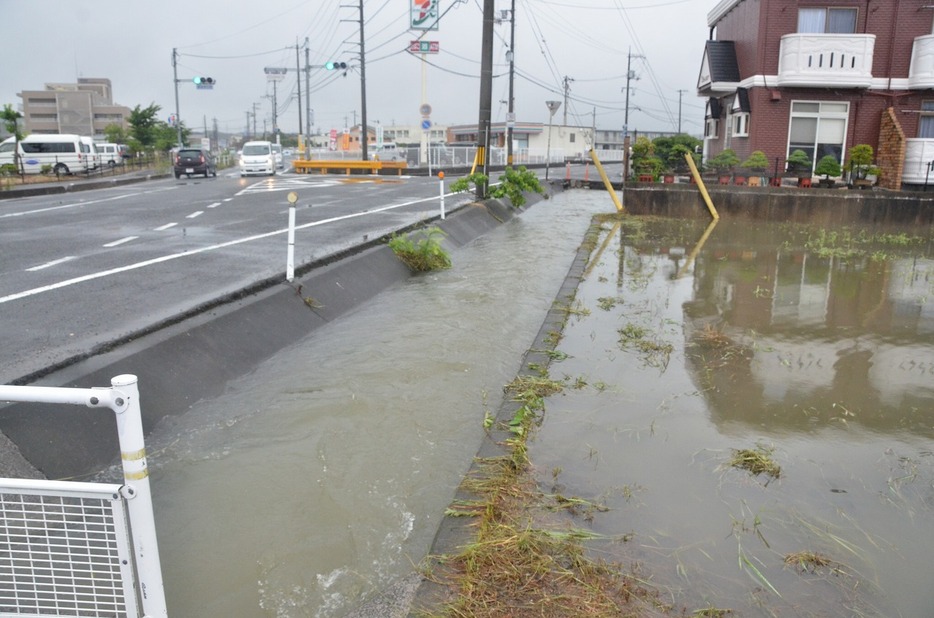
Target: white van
388 152
94 161
277 151
110 154
63 153
257 158
6 151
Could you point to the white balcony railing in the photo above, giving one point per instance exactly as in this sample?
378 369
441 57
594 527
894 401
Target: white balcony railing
921 73
841 60
919 154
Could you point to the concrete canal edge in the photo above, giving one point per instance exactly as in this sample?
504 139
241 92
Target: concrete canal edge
193 356
455 532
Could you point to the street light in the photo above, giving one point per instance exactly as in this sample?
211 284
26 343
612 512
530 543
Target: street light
552 108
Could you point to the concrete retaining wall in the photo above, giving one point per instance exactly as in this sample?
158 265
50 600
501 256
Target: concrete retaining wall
818 206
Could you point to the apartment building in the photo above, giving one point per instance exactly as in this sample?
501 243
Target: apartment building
823 76
84 108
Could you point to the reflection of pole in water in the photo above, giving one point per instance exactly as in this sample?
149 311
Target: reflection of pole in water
697 248
596 256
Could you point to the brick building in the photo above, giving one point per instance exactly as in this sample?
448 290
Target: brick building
823 76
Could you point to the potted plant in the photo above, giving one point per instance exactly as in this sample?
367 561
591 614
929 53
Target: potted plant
828 166
757 163
860 166
799 165
723 163
677 164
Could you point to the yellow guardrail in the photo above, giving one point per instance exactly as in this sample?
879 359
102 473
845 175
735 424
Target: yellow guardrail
325 167
701 187
606 180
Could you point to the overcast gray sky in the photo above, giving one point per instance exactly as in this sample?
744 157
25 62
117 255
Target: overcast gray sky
234 40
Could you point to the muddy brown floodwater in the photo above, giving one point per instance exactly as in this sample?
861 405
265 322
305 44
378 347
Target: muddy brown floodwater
807 345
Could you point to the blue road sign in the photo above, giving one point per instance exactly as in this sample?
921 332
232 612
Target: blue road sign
426 124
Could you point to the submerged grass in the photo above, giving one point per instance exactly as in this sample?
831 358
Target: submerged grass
756 460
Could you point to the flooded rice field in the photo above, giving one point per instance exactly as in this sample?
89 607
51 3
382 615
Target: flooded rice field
319 480
756 411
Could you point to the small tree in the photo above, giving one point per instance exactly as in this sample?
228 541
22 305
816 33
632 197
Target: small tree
115 133
757 162
828 166
860 162
11 119
798 161
724 161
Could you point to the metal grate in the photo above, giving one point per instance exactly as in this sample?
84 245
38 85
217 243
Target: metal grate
65 550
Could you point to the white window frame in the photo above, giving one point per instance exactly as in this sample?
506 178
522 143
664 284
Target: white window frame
740 124
712 128
820 114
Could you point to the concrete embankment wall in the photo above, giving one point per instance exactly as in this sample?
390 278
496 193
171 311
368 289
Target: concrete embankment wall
818 206
196 357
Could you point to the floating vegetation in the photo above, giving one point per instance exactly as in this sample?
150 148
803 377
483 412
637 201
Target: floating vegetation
655 353
756 461
844 244
812 562
712 612
607 302
713 337
577 309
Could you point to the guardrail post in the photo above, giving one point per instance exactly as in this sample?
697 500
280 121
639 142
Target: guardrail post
441 182
138 495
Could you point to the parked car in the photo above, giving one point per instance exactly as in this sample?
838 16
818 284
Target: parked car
277 151
191 161
388 152
64 153
111 154
257 158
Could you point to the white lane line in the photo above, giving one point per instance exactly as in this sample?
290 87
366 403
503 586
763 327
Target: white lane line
164 227
175 256
195 214
227 199
121 241
82 203
52 263
214 205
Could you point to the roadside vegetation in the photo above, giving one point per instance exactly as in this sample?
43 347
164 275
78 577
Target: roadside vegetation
513 185
421 251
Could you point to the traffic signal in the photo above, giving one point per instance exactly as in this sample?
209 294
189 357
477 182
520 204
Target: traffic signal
335 66
203 80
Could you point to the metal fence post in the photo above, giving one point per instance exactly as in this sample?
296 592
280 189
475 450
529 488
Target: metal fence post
138 495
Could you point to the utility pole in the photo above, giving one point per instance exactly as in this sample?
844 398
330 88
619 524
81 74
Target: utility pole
178 118
680 96
298 74
567 90
511 116
307 103
630 75
255 105
364 134
246 131
486 95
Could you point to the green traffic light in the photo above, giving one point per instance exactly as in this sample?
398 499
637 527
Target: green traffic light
196 80
329 66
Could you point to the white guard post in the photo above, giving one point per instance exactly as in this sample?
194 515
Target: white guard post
290 254
123 399
441 182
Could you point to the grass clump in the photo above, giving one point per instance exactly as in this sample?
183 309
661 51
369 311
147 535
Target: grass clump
422 251
756 461
513 185
811 562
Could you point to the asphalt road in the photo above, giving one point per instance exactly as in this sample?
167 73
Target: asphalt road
81 270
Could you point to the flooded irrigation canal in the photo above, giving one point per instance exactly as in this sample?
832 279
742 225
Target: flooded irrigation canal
801 348
321 478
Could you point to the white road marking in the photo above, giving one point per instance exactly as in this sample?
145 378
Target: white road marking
175 256
164 227
52 263
227 199
81 203
196 213
214 205
121 241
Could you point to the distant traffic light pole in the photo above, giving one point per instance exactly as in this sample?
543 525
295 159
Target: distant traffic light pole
203 83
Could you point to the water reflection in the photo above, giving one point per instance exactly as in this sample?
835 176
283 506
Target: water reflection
814 343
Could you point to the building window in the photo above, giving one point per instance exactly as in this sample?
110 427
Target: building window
573 137
741 124
818 128
712 128
926 125
827 20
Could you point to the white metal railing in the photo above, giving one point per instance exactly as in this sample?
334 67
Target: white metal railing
919 155
82 549
843 60
442 156
921 72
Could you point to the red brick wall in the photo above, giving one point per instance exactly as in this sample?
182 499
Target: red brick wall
890 156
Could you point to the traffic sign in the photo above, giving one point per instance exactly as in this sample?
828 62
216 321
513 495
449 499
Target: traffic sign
425 109
426 124
424 47
275 74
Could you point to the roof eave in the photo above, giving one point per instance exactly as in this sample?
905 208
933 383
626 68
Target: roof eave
717 12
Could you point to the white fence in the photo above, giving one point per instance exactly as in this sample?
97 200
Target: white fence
82 549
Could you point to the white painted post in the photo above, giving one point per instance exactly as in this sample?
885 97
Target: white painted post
125 403
290 255
441 182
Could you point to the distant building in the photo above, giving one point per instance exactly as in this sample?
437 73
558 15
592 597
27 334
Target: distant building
85 108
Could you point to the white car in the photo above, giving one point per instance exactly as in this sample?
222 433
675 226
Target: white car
277 151
388 152
257 158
